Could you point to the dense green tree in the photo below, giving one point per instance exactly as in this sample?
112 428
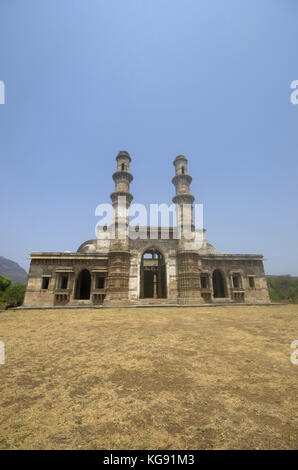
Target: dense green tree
283 288
4 284
14 294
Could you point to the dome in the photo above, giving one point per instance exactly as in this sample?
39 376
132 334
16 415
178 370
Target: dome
123 153
211 250
179 157
87 247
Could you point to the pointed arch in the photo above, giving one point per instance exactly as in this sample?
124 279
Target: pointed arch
153 279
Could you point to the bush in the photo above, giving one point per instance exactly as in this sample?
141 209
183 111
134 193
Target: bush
283 288
14 294
4 284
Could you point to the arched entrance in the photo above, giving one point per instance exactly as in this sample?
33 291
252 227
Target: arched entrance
153 275
218 284
83 285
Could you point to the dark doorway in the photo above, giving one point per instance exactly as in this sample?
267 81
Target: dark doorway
148 284
83 285
153 275
218 284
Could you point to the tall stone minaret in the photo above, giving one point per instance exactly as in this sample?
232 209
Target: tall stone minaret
187 259
183 199
121 197
119 257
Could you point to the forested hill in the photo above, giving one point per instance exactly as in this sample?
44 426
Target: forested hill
12 270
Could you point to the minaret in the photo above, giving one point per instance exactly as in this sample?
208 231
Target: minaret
121 197
183 199
187 259
119 257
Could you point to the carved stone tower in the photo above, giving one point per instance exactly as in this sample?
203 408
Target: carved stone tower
187 259
183 199
119 257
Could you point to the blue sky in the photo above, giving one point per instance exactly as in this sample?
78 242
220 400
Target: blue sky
208 79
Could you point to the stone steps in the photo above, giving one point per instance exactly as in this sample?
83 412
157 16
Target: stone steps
155 302
80 302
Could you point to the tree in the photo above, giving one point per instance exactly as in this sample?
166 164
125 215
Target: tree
4 284
293 294
14 294
283 288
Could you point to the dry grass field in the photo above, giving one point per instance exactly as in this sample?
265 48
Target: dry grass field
150 378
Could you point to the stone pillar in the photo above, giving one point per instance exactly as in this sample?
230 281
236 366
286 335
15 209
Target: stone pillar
118 276
188 278
159 280
188 260
154 285
119 257
183 199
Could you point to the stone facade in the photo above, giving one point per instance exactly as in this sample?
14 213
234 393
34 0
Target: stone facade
147 268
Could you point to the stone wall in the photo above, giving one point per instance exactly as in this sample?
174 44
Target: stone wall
245 266
55 266
189 276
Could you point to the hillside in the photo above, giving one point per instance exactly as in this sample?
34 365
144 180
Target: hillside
12 270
